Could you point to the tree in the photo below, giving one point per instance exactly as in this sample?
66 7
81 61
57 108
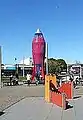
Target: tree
56 66
62 65
52 65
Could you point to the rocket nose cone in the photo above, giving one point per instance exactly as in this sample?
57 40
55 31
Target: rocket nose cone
38 31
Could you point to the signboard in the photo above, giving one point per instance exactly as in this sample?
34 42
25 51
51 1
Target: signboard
26 68
10 68
74 70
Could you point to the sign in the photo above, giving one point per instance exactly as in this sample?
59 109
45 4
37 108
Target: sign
26 68
10 68
74 70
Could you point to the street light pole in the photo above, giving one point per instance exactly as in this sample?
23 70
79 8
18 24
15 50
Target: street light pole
16 65
23 66
80 72
46 56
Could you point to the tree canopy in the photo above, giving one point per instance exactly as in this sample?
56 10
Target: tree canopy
56 65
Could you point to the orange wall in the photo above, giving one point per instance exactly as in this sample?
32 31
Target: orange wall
58 99
67 88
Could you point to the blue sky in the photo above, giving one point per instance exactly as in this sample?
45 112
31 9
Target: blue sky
61 21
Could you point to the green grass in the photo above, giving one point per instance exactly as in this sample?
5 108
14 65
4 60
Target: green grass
21 78
3 79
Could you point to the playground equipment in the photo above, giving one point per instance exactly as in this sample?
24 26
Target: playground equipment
47 85
60 95
38 53
67 88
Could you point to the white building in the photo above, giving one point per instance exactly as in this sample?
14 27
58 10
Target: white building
27 61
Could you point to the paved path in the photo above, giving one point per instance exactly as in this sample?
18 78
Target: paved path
11 95
35 108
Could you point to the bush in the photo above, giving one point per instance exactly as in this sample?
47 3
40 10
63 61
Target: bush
21 78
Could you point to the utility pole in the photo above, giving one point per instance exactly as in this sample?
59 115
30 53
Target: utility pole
46 56
23 66
0 67
80 72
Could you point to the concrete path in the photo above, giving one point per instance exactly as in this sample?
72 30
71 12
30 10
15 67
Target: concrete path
12 94
35 108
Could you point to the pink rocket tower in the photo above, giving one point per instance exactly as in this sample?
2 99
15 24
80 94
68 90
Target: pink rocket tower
38 54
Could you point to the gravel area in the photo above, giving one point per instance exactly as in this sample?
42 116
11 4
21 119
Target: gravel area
12 94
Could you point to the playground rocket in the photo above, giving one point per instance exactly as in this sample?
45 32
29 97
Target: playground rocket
38 54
